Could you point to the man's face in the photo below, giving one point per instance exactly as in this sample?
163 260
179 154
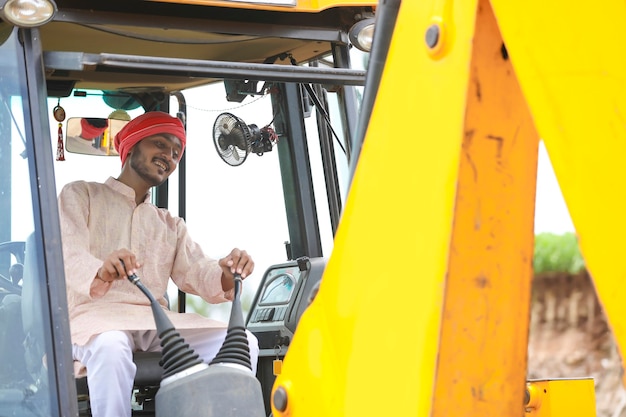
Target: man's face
155 157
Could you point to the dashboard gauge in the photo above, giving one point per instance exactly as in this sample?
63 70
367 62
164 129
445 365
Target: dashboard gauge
278 291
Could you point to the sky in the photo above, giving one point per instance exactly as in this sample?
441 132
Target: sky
551 214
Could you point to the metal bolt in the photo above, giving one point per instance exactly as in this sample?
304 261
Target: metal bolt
526 396
280 399
432 35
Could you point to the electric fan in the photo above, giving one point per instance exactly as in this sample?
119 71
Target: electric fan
234 139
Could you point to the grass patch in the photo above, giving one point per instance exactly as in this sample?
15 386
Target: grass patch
557 253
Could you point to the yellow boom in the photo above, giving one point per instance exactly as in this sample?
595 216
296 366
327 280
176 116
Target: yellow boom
424 306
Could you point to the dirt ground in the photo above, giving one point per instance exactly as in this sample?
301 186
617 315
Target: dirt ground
569 337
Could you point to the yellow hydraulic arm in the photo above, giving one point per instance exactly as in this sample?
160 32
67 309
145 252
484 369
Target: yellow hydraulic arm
424 306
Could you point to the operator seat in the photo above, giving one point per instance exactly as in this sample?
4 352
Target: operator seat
147 382
13 366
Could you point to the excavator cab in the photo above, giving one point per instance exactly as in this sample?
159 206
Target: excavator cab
269 94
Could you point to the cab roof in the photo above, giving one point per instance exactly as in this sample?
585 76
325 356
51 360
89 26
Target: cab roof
83 33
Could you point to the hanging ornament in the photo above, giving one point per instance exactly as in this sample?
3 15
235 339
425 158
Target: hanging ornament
60 152
59 115
59 112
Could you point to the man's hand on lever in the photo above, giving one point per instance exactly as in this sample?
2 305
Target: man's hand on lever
237 262
114 266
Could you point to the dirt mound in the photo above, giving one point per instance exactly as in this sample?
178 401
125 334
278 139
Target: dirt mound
569 337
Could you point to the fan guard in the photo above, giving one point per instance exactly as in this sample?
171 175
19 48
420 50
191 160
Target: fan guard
231 137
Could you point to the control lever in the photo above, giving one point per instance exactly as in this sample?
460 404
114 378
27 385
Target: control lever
225 387
176 355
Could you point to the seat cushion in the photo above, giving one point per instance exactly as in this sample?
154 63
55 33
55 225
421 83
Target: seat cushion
149 372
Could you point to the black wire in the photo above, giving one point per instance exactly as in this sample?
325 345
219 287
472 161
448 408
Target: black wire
317 103
322 110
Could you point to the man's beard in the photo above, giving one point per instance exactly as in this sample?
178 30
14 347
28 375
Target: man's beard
139 164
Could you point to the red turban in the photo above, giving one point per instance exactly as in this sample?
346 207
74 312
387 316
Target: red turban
148 124
92 128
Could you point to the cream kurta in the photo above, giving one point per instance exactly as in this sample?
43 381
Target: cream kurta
97 219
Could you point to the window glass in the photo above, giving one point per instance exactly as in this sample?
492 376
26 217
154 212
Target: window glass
26 381
358 61
232 206
76 166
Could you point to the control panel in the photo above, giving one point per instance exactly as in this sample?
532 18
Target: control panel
274 301
284 293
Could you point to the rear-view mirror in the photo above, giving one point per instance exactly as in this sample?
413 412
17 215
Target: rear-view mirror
92 136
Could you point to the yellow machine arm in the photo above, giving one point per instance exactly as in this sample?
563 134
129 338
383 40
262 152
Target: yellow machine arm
424 306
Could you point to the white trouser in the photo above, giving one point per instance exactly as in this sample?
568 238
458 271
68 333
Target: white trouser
108 358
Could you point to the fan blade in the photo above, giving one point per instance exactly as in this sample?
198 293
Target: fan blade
224 129
221 141
239 139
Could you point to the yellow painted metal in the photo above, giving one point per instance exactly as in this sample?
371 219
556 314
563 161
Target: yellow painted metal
423 308
481 365
561 398
368 344
570 58
278 5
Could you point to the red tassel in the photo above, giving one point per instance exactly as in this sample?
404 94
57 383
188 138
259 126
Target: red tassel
60 152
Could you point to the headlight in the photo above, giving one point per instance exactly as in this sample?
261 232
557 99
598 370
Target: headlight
362 33
27 13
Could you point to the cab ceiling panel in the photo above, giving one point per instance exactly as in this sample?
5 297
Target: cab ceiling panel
208 33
